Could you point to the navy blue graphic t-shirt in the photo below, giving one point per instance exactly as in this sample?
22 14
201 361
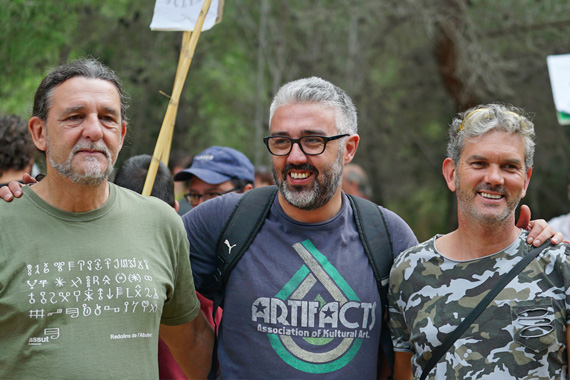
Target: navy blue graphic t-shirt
302 302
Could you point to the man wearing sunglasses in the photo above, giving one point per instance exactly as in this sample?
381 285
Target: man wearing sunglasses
216 171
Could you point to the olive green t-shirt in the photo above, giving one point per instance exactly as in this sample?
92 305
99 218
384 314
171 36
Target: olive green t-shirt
82 295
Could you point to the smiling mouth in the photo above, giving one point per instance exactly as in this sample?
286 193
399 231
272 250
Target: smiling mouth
300 175
490 196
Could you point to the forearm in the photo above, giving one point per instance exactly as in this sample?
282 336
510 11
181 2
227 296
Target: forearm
402 365
191 344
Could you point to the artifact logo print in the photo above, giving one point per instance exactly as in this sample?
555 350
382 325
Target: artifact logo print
316 323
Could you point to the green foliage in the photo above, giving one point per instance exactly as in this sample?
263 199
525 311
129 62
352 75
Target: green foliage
389 55
34 34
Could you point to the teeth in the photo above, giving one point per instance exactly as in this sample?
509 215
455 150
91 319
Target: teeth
491 196
303 175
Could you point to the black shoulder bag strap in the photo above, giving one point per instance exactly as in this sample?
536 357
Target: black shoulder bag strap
456 334
375 237
239 231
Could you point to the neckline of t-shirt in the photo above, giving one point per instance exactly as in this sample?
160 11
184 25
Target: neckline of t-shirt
509 250
68 215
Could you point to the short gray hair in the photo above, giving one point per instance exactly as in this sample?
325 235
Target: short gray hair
317 90
477 121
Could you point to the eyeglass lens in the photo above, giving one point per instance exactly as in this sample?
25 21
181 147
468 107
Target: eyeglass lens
309 145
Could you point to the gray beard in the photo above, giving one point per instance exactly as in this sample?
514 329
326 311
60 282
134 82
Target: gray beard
93 175
321 192
491 221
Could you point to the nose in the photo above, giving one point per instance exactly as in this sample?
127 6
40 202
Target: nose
296 155
92 127
494 175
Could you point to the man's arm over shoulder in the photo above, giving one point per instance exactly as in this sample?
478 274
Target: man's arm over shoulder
13 189
191 344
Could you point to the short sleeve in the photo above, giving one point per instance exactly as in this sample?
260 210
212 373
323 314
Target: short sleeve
401 234
182 304
396 322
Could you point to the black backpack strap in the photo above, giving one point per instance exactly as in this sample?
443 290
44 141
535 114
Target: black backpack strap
375 236
237 234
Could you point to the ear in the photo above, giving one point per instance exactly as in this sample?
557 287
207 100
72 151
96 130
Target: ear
449 173
247 187
526 181
350 148
176 205
123 133
38 130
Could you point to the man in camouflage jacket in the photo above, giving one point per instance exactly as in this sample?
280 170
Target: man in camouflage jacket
522 334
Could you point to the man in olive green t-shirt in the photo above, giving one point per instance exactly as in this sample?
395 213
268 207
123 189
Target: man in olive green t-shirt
90 273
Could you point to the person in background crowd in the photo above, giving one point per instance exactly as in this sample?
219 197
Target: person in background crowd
215 171
263 177
16 149
355 181
179 160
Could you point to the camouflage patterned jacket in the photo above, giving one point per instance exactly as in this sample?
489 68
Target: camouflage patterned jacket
521 334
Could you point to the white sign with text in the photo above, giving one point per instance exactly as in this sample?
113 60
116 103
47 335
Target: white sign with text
181 15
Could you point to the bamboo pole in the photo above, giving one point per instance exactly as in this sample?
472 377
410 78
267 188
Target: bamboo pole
164 141
166 152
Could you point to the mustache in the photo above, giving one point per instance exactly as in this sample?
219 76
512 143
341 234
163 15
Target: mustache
95 146
496 189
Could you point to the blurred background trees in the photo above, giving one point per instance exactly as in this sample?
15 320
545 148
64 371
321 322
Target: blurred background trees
409 66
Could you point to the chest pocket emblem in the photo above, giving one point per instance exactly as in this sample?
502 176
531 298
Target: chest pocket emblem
534 324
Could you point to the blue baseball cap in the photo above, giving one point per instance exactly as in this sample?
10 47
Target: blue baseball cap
218 164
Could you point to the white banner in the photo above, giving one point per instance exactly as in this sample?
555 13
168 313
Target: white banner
181 15
559 70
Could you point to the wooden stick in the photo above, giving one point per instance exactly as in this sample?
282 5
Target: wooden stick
164 141
184 47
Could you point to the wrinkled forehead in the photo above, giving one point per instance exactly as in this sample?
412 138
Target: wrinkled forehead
82 92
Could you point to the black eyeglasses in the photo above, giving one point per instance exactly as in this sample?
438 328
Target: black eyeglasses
194 198
310 145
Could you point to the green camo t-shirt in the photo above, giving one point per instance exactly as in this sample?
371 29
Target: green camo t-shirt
520 335
82 295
